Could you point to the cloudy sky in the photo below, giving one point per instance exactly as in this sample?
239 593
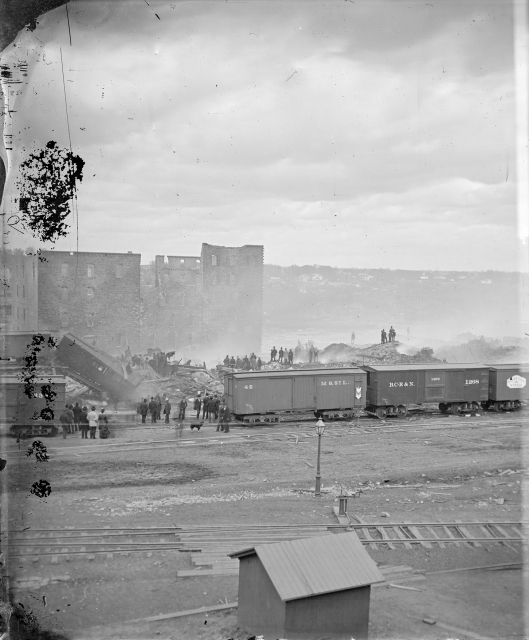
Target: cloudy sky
365 133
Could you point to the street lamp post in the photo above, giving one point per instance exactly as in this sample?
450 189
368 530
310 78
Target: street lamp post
320 428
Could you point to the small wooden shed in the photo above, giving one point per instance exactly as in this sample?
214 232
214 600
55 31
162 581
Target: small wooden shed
307 589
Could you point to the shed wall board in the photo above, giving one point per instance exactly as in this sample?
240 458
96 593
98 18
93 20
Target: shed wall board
344 614
261 611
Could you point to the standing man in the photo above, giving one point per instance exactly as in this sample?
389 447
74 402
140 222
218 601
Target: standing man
93 421
167 410
144 410
104 431
65 422
291 357
153 409
273 354
216 407
197 405
259 364
83 423
224 417
71 426
76 414
205 407
281 354
383 336
158 401
211 408
182 410
392 334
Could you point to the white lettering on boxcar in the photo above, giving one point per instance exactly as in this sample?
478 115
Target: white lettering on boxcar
331 383
248 386
471 381
401 384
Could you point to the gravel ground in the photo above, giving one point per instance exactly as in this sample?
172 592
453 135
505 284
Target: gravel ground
470 474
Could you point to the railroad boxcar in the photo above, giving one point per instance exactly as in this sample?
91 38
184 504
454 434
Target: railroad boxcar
455 387
94 368
22 412
15 344
507 386
260 396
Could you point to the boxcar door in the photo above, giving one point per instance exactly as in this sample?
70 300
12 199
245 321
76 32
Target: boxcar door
434 386
304 394
279 394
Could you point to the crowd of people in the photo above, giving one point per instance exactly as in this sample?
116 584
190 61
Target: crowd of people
248 363
75 419
210 407
389 336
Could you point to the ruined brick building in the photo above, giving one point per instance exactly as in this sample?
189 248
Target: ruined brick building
18 293
210 303
95 296
204 306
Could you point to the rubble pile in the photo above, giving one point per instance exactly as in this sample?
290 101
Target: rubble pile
387 353
488 352
184 383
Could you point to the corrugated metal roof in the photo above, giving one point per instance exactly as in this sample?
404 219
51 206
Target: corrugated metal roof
445 366
312 566
298 372
505 367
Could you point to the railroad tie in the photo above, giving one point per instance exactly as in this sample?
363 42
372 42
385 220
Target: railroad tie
434 535
368 537
385 536
451 535
466 533
418 536
503 533
402 536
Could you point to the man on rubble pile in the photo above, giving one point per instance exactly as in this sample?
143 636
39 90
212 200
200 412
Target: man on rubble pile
281 354
259 364
273 353
227 361
232 362
290 357
383 337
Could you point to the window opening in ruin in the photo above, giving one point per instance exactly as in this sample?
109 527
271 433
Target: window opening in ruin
214 262
8 310
64 319
171 320
23 314
90 271
181 298
90 293
17 290
23 270
64 269
119 271
90 319
23 291
8 275
64 294
232 260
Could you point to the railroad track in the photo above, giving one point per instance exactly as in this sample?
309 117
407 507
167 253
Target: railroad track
242 435
209 546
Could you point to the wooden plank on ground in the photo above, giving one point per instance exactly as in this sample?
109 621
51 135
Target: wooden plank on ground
189 612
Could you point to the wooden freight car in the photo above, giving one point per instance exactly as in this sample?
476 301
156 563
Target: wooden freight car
507 387
21 412
456 387
93 368
262 396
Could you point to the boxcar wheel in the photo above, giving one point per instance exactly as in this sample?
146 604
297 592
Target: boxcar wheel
455 408
497 407
443 407
381 412
402 411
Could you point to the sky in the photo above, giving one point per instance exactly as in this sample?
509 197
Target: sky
351 134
